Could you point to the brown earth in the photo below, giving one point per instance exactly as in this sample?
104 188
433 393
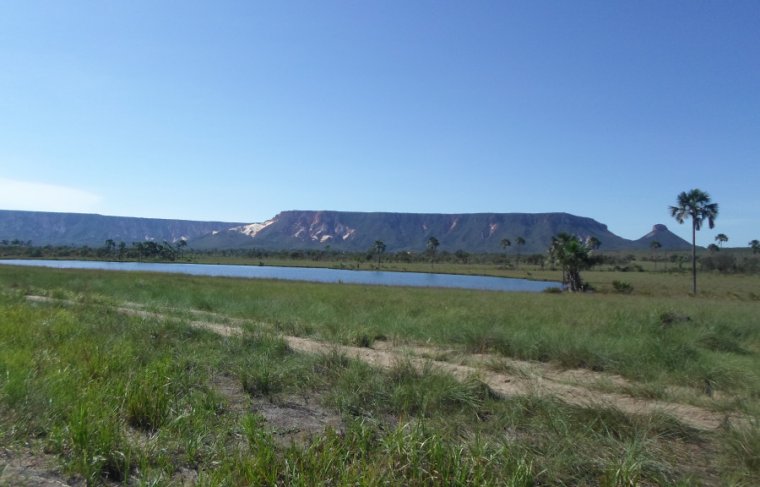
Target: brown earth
23 468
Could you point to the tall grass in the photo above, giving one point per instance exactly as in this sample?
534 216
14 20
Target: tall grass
712 340
136 400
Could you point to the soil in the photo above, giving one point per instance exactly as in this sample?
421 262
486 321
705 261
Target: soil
23 468
289 419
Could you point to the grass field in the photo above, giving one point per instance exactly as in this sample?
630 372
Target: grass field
93 395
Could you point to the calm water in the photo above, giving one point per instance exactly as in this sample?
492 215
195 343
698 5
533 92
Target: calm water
311 274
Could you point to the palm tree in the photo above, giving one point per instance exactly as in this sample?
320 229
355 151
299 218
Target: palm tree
755 246
654 245
505 244
721 238
695 205
520 242
181 244
432 247
110 247
573 255
379 249
593 243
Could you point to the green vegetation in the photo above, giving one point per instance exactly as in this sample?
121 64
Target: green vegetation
573 256
119 397
695 205
531 266
379 249
432 249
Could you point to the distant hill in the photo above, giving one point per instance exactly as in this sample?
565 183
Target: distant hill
478 232
44 228
665 237
349 231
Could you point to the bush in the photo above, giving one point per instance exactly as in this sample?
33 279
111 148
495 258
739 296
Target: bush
149 397
751 265
721 262
622 287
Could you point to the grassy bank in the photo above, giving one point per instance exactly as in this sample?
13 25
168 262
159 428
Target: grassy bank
148 402
672 339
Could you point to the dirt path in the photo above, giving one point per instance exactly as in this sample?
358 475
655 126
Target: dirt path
23 468
544 383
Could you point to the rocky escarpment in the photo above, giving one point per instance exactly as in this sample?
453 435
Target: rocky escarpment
476 232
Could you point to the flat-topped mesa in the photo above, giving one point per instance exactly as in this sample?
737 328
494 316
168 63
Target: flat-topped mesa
529 233
50 228
473 232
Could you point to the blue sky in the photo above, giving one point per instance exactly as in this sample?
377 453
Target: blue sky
238 110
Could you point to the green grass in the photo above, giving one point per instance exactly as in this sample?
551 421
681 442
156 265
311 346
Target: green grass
712 339
137 400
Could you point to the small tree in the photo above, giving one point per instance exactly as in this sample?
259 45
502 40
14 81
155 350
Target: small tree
181 244
141 249
695 205
593 243
755 246
109 248
520 242
432 248
379 249
655 245
721 238
573 256
505 244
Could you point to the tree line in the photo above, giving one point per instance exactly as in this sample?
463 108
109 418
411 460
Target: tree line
571 253
111 250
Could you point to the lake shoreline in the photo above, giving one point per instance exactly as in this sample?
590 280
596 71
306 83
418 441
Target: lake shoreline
304 274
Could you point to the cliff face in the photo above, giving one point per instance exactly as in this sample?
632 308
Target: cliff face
44 228
350 231
478 232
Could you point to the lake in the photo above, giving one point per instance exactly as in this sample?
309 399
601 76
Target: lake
310 274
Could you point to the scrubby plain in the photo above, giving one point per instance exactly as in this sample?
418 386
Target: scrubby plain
90 394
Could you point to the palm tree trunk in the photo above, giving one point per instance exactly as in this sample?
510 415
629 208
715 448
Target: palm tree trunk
693 256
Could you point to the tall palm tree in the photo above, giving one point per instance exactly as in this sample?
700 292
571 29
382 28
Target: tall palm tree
432 247
654 245
520 242
379 249
505 244
181 244
721 238
696 205
593 243
110 247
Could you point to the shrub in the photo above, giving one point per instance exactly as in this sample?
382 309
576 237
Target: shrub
721 262
149 397
622 287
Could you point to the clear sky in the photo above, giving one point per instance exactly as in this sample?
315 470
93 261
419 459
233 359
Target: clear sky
238 110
